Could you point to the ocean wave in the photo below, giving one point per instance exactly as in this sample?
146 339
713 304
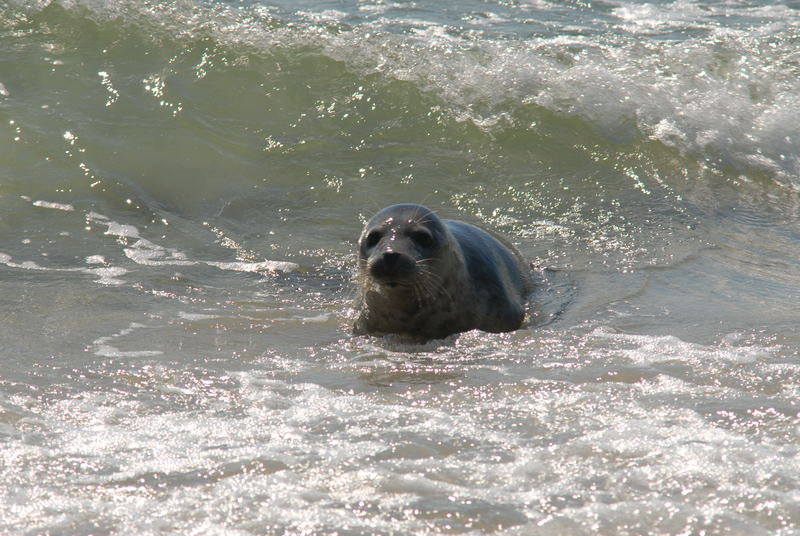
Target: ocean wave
721 93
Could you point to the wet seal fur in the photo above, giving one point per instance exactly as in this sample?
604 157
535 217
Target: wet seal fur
429 278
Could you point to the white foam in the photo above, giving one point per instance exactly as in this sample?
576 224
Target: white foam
107 275
195 317
651 19
318 319
263 266
27 265
655 349
56 206
122 231
148 253
94 216
103 347
107 350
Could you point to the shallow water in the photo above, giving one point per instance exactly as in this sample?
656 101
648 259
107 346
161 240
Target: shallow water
181 188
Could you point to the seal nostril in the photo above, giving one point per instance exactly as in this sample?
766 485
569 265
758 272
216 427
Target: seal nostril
391 258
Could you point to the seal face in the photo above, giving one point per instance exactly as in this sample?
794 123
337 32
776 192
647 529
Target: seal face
423 276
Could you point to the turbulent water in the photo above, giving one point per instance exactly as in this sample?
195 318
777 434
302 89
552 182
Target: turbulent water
181 187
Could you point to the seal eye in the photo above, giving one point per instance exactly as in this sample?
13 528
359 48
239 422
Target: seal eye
421 238
372 239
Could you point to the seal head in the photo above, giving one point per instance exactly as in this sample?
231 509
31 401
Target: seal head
423 276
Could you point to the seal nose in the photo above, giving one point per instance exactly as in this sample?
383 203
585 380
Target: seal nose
392 265
391 260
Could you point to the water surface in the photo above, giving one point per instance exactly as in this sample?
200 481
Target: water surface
181 188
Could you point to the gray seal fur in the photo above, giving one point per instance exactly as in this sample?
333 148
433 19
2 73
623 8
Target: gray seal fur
423 276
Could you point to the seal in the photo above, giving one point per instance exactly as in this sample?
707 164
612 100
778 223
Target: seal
423 276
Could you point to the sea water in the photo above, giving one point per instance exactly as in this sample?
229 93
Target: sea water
182 184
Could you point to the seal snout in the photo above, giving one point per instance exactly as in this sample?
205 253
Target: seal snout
392 267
